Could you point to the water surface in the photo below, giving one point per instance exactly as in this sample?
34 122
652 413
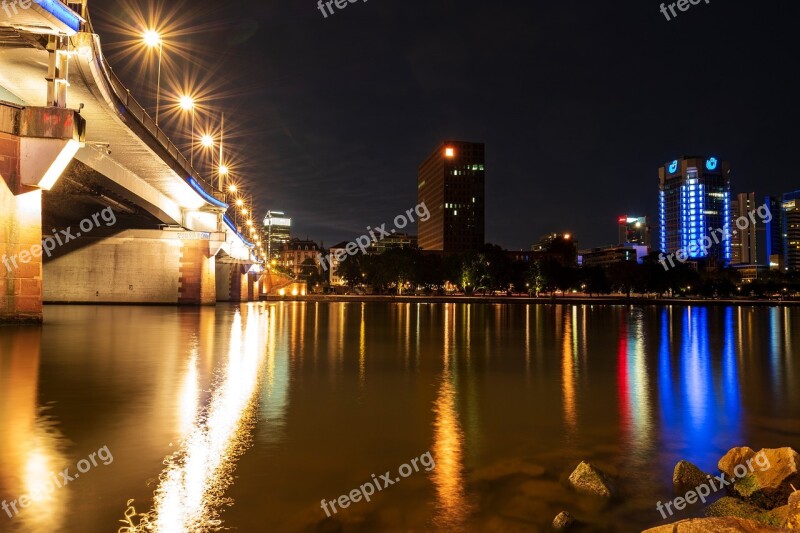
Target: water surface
246 417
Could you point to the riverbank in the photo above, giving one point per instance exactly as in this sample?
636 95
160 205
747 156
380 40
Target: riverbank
562 300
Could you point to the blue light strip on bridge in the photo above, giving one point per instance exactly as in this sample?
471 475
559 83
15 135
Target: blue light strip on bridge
231 225
62 13
207 197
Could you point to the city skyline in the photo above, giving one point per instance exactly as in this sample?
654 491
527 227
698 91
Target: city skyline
549 123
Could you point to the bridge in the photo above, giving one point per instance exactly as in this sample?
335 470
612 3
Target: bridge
97 205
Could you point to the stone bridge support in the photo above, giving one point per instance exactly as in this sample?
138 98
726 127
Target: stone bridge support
137 267
36 144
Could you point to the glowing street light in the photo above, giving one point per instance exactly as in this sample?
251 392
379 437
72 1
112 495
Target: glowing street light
152 39
240 202
231 188
187 104
223 171
207 141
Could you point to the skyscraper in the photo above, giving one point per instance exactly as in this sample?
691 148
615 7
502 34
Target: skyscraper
634 230
694 201
451 183
774 255
277 232
745 244
791 230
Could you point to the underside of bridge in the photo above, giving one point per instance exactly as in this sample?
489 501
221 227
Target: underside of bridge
97 205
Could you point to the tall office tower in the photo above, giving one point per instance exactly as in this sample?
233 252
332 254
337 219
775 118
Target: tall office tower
791 230
773 249
277 232
745 243
451 184
694 200
634 230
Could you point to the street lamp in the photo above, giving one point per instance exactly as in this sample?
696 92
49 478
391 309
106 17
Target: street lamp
151 40
187 104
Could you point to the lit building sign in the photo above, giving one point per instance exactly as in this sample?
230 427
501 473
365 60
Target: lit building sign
673 167
712 164
278 222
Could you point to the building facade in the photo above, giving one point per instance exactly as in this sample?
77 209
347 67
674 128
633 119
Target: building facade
790 211
746 242
694 201
293 256
396 240
610 255
634 230
451 183
773 240
277 232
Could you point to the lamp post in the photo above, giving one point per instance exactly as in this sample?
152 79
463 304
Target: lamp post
153 39
187 104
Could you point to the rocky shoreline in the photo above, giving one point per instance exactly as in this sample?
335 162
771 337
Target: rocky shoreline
758 490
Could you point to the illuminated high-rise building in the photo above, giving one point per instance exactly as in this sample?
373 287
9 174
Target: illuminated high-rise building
747 242
277 232
451 184
694 201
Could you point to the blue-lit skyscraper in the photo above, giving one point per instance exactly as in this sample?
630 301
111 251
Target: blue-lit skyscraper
694 203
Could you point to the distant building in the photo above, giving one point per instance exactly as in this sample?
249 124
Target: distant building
610 255
694 200
745 244
396 240
562 247
634 230
277 232
335 252
295 252
451 184
791 230
774 249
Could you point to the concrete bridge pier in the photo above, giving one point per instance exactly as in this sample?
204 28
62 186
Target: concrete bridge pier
36 144
136 267
235 282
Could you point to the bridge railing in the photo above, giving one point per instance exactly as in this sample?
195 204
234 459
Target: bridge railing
137 111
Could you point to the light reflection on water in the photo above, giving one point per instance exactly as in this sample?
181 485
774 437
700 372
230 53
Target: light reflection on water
192 488
306 401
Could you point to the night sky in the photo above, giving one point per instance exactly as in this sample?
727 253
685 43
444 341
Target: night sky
579 103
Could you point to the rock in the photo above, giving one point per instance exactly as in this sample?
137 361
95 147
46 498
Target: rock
728 506
563 521
770 474
734 457
716 525
687 476
777 517
588 479
732 507
793 511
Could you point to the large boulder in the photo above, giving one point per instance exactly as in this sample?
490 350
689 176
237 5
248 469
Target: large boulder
793 511
734 457
716 525
687 476
589 480
769 476
733 507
